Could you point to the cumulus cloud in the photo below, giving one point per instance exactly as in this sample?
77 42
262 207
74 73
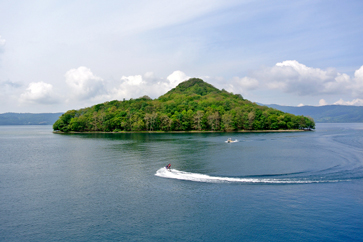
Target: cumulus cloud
358 82
242 85
359 73
2 44
322 102
133 80
295 78
2 41
84 84
176 77
39 92
355 102
130 87
147 84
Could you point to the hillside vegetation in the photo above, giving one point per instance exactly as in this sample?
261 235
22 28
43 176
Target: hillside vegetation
192 105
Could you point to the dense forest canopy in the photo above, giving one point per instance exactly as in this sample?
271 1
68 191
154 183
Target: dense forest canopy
192 105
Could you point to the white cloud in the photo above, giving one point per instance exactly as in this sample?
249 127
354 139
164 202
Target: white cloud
147 84
2 44
2 41
322 102
358 82
241 85
130 87
301 105
133 80
295 78
359 73
177 77
39 92
355 102
245 83
84 85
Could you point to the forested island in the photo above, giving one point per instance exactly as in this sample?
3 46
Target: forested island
193 105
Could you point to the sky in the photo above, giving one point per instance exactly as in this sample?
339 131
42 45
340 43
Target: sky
61 55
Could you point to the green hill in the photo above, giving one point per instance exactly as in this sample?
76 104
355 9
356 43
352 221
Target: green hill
192 105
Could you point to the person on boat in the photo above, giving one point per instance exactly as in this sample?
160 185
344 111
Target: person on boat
168 167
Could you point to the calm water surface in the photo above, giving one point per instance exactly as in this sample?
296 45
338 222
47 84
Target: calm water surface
303 186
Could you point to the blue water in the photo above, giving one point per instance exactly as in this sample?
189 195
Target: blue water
301 186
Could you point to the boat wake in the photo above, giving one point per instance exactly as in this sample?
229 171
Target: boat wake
197 177
231 141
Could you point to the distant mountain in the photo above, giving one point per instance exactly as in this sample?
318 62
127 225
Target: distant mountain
28 118
326 114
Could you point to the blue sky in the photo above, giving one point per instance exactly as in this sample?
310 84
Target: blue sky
61 55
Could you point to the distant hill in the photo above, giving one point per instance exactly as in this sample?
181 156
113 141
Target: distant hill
326 114
29 118
193 105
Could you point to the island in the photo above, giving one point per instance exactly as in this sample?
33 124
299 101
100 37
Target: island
194 105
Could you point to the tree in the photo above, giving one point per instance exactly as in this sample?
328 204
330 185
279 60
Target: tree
59 125
214 121
95 121
227 120
198 119
165 122
251 118
147 119
273 123
138 124
310 123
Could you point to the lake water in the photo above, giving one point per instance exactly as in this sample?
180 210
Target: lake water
301 186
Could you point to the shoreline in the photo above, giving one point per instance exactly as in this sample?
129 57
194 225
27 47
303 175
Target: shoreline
192 131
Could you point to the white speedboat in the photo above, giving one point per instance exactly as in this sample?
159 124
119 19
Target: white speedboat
229 140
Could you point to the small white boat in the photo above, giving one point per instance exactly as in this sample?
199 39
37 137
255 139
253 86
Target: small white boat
229 140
